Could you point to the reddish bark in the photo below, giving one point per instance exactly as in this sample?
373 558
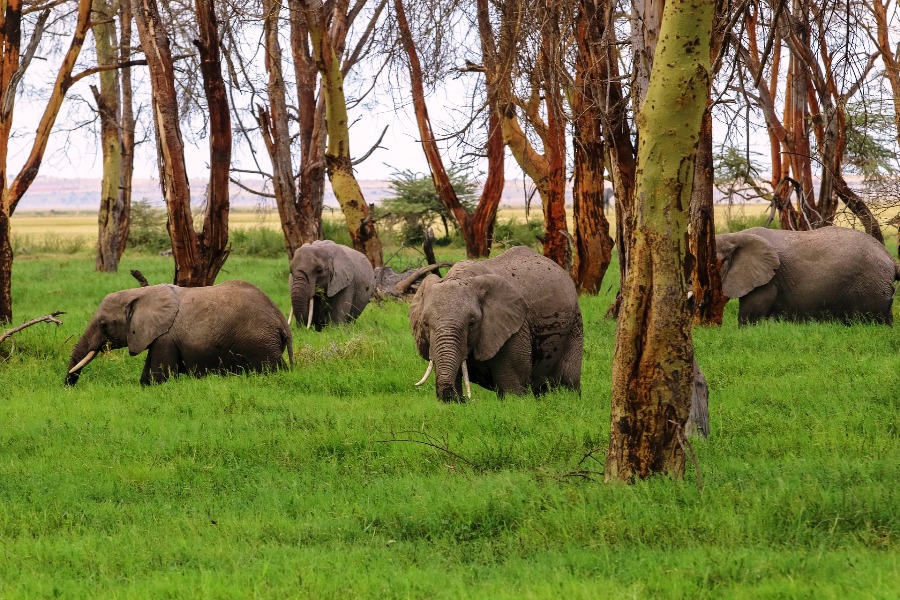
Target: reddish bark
11 194
198 257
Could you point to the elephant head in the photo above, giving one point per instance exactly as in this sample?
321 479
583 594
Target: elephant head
133 318
455 317
748 262
319 266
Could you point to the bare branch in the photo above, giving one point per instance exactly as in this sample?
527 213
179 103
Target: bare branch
51 318
374 147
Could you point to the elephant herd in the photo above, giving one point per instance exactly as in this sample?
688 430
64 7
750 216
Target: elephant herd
510 323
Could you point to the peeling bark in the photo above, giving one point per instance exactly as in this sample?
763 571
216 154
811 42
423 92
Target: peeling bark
652 378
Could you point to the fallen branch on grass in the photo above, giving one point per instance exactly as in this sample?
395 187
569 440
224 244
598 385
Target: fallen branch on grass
51 318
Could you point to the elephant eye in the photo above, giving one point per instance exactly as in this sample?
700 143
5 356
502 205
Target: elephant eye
471 322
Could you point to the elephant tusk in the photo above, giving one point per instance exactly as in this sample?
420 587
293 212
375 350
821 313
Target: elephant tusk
291 316
84 361
465 374
309 318
427 373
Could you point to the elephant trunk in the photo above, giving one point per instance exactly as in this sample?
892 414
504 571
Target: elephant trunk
302 294
448 351
84 352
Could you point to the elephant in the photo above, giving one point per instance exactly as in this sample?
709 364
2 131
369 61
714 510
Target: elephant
227 328
828 273
511 323
329 283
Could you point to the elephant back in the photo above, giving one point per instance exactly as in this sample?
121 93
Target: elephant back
546 286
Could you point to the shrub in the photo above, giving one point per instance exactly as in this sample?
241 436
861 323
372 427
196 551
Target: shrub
512 232
257 241
148 227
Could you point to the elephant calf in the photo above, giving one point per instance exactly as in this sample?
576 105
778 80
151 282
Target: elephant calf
226 328
827 273
511 323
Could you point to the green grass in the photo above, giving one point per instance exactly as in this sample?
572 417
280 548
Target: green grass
294 484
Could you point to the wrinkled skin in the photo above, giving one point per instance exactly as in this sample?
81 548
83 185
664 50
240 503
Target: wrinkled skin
339 279
823 274
514 319
227 328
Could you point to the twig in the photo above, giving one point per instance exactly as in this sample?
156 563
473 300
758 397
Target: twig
430 442
51 318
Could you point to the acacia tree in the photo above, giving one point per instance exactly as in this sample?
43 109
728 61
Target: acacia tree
117 124
338 162
652 375
820 82
476 226
298 154
541 106
198 256
13 66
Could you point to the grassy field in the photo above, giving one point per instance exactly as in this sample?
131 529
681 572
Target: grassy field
320 483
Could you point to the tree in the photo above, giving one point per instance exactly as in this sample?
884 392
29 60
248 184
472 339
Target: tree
117 123
198 256
13 65
416 201
653 363
477 225
540 107
338 162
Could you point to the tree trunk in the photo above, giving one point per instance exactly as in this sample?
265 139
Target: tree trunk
277 136
11 193
6 262
619 148
127 127
590 231
198 257
311 117
107 99
652 376
338 163
706 280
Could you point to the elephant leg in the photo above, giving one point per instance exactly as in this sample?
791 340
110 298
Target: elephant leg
162 361
568 373
757 304
511 367
342 306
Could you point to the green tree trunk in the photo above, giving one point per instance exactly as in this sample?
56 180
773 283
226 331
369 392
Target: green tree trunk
653 363
107 98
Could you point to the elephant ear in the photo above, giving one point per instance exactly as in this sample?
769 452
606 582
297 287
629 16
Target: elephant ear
503 310
417 314
341 271
748 262
150 315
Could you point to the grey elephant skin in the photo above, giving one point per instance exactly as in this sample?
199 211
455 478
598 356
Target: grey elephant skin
832 273
339 281
227 328
513 319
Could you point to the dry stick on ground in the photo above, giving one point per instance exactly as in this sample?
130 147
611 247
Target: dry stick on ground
431 442
51 318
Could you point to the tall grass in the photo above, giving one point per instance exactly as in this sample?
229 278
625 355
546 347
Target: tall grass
341 479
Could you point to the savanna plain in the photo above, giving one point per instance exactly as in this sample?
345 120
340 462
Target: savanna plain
340 479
